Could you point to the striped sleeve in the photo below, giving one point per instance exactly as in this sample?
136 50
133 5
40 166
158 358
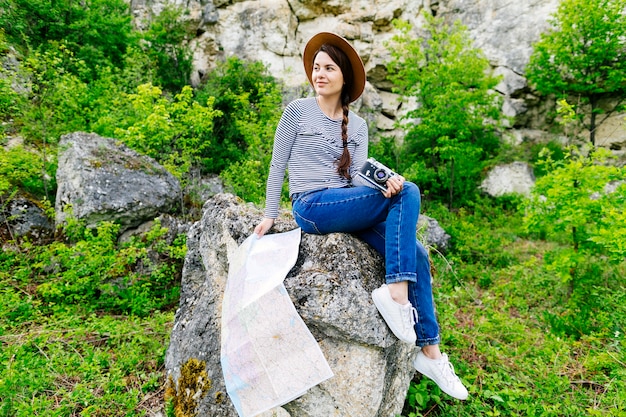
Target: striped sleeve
283 141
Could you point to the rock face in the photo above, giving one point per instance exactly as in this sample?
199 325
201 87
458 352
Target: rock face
515 178
275 32
330 286
102 179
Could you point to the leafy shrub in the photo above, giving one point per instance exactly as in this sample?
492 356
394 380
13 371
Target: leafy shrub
60 101
167 39
247 177
238 88
422 395
178 133
11 103
97 31
93 271
571 204
27 171
573 199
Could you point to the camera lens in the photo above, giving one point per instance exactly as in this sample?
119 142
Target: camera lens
381 176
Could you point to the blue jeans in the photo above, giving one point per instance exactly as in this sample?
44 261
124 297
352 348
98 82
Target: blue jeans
389 226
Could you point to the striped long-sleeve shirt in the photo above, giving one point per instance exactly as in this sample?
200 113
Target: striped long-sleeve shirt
308 144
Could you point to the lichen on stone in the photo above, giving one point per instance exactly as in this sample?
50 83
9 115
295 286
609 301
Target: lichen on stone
193 384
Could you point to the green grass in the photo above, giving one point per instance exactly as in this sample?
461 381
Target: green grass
522 344
501 323
85 322
71 364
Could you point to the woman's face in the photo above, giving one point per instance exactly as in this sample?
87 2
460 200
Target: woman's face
327 76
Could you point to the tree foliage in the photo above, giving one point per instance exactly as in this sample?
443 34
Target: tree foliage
247 177
582 199
178 133
168 37
25 170
583 55
96 31
453 129
239 89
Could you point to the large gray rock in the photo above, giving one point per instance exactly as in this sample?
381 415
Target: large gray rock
515 178
330 286
102 179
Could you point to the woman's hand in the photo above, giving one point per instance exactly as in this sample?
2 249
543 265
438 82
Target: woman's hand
265 225
394 185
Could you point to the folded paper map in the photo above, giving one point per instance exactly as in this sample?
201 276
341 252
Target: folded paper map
269 357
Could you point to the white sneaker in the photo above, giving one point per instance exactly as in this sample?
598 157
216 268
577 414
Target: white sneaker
442 372
400 318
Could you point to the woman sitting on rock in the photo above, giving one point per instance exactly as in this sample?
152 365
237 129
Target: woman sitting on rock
324 144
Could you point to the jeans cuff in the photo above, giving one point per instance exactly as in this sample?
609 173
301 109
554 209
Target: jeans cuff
402 276
429 341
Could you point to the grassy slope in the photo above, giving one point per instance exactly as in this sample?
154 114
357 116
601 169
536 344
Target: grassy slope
495 325
493 298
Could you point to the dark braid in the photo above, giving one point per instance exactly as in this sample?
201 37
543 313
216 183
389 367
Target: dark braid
343 167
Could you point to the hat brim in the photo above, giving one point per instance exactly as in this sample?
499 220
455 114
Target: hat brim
358 69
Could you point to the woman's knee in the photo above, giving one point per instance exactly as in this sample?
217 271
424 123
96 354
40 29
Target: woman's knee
410 190
411 187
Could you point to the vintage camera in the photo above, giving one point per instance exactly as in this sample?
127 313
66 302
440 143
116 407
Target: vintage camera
373 174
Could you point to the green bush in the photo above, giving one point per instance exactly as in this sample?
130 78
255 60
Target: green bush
238 88
247 177
27 171
60 101
178 132
96 31
10 101
572 205
167 39
93 271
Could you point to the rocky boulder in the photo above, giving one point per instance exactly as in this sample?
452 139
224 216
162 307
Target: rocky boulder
22 217
432 234
515 178
330 286
102 179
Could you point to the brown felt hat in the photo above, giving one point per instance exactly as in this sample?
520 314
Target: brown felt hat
358 70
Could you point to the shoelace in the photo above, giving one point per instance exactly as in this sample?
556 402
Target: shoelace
409 317
447 370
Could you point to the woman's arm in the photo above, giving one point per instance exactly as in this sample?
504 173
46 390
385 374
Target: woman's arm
283 141
284 138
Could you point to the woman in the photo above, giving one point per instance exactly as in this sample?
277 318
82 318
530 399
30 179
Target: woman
323 144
